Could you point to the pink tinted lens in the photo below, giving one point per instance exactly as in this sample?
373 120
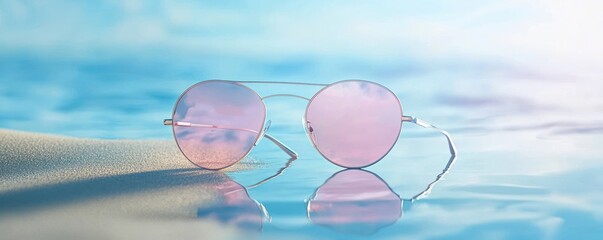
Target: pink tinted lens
354 123
355 201
216 123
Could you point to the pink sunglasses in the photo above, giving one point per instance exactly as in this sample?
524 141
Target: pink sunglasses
352 123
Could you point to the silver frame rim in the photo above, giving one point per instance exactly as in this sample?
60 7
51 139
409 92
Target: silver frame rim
305 120
261 132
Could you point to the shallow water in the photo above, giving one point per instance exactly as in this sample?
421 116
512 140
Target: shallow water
528 139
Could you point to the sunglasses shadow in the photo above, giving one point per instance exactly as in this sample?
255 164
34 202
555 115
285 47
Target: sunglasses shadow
58 194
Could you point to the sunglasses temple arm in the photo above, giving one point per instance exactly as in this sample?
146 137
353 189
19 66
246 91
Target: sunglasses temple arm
278 143
437 179
282 146
448 165
425 124
278 173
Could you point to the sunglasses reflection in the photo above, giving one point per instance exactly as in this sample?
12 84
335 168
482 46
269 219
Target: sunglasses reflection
235 206
351 201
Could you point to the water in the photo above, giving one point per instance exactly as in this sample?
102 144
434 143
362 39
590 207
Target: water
527 125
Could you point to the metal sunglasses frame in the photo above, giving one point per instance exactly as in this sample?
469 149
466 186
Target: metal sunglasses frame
266 125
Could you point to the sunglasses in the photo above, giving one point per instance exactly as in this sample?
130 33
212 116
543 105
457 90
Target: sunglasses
351 123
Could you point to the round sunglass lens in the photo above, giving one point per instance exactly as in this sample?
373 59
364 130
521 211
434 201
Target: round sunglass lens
354 123
217 123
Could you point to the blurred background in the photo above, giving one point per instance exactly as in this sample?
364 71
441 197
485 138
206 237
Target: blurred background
114 69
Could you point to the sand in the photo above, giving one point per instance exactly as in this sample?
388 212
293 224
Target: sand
56 187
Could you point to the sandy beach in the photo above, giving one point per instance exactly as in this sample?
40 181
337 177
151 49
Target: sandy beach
56 187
